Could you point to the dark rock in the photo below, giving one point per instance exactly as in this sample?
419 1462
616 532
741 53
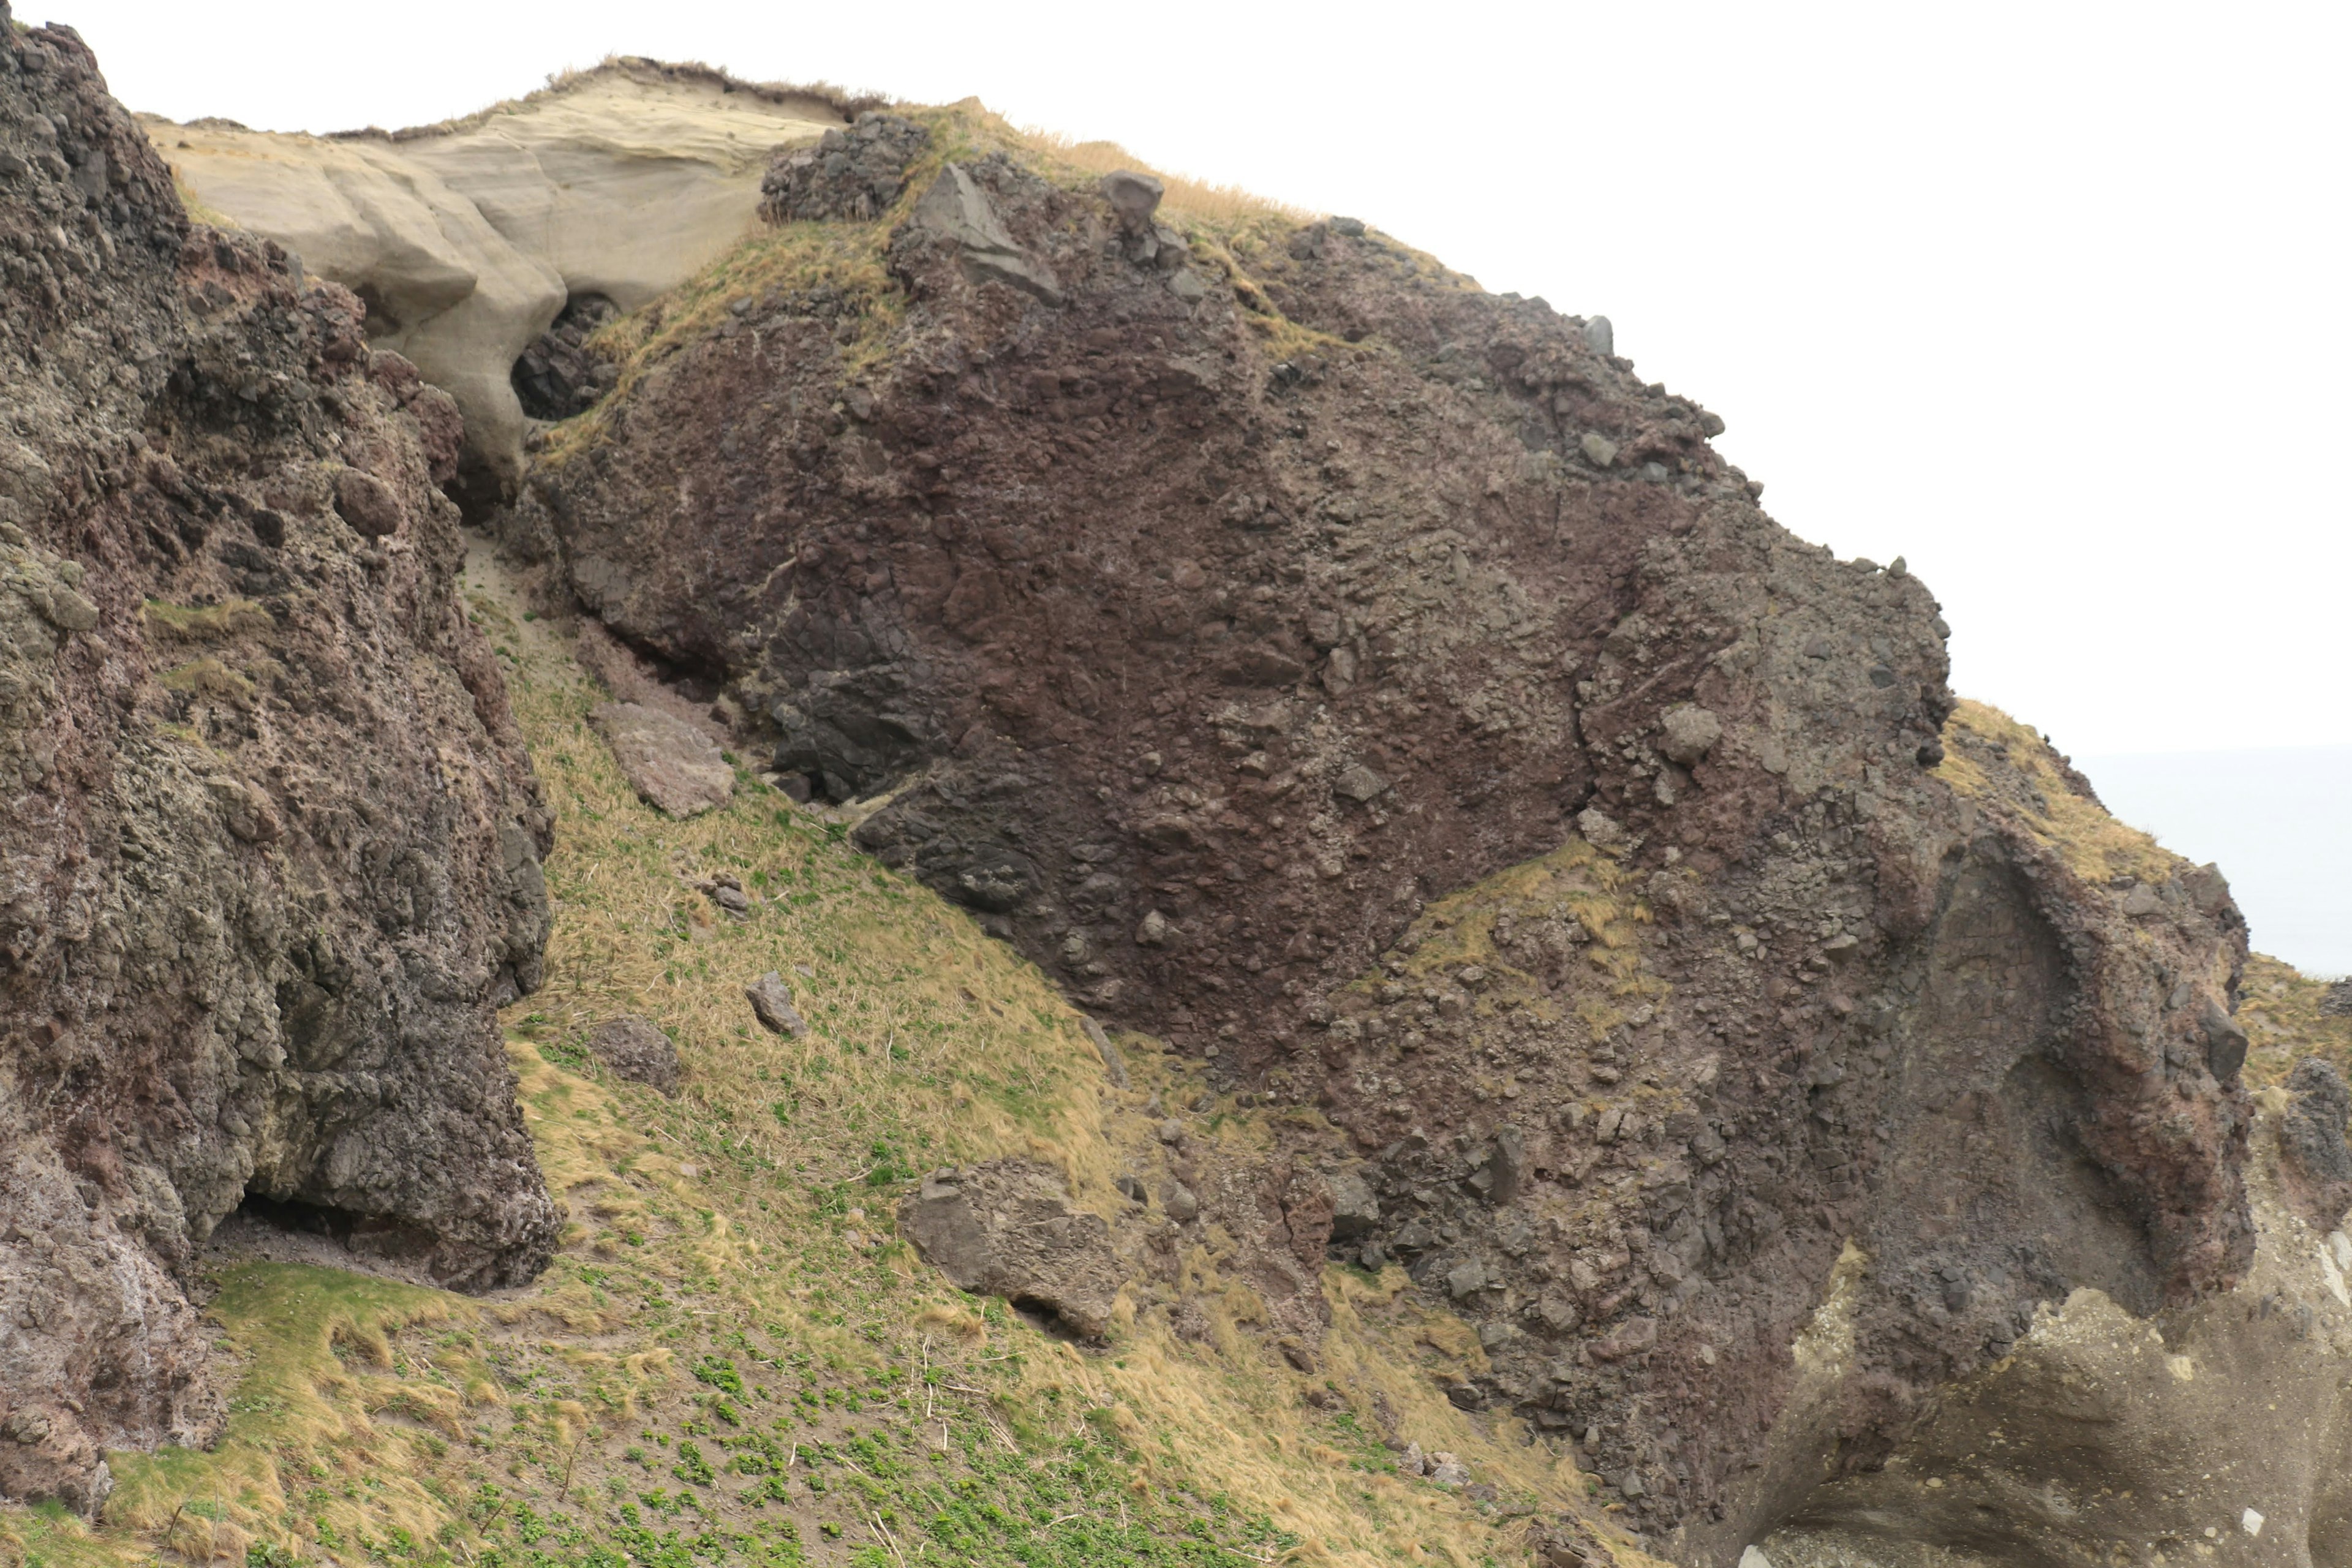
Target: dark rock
250 868
2311 1137
557 377
637 1051
856 174
2225 1042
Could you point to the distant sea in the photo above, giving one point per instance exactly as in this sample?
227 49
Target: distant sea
2279 823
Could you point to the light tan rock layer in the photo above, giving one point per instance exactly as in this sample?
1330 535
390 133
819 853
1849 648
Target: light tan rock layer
467 241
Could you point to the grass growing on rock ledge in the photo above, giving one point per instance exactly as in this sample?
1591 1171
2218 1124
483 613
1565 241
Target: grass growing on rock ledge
734 1360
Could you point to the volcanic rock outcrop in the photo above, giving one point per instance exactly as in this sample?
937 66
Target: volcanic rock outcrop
468 240
269 844
1371 685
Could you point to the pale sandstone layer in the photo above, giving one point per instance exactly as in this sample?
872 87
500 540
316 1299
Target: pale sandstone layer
466 242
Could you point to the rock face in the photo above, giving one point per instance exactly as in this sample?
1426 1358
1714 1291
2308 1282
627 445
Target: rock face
467 240
1371 685
269 843
2216 1427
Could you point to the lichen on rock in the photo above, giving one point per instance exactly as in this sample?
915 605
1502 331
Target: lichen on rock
271 841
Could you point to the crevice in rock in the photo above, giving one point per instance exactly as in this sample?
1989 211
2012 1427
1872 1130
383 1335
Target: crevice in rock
364 1234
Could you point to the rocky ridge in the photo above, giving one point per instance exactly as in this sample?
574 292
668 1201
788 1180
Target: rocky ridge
272 840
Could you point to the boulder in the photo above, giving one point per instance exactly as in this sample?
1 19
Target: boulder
1007 1229
1688 733
1354 1207
635 1049
771 1004
675 767
956 210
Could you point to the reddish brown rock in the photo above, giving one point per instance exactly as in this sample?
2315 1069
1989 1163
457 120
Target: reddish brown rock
1213 626
270 835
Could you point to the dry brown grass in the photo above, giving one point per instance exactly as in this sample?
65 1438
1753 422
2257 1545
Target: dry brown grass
1201 200
2095 846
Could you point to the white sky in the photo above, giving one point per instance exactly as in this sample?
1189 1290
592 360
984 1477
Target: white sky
2049 298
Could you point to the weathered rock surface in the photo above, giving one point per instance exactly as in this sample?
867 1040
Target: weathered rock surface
675 766
269 844
1007 1229
634 1048
855 173
467 240
1207 669
2215 1429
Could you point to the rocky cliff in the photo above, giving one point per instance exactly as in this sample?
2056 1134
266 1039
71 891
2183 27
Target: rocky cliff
272 840
1533 889
1373 687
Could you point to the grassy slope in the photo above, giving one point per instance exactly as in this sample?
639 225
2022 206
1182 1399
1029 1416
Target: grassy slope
733 1359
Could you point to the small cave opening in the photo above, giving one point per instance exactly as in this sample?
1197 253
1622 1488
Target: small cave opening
1045 1318
373 1235
557 376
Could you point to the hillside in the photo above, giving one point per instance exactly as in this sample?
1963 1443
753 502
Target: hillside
995 860
736 1358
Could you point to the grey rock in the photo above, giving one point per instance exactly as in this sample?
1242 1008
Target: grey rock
1152 929
635 1049
2143 900
1466 1279
771 1001
1133 199
1007 1227
674 766
1689 733
1599 450
1182 1204
1600 336
1114 1064
1186 285
1354 1207
1447 1471
956 209
1171 1132
1359 784
1353 227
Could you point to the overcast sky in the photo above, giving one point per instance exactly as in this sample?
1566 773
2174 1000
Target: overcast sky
2049 300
